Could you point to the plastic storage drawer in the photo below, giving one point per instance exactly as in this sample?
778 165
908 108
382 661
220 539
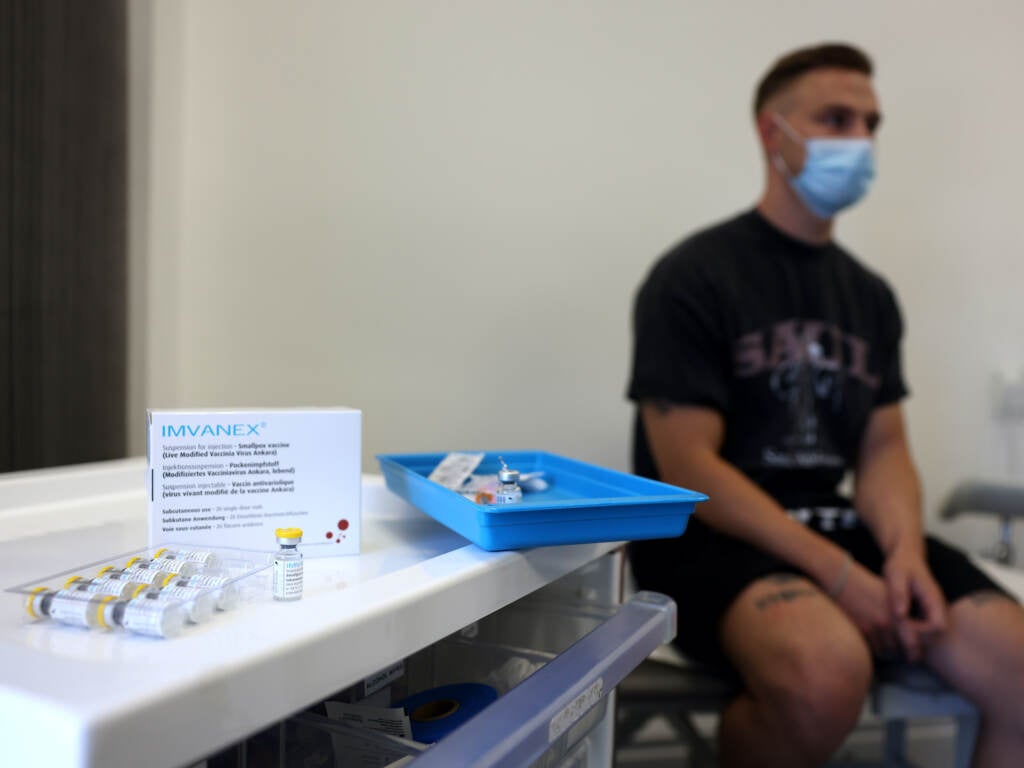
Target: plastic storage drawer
543 721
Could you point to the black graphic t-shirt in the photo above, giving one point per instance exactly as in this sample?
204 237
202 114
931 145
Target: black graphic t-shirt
794 344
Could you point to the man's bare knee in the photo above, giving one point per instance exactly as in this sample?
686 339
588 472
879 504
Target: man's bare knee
802 661
822 690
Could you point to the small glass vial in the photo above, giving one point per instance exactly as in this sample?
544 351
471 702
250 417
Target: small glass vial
225 591
142 576
79 609
180 567
508 491
198 603
207 561
288 565
150 617
125 590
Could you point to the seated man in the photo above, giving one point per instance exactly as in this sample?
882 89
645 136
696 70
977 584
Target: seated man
767 364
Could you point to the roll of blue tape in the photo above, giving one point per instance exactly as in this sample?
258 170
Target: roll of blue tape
436 712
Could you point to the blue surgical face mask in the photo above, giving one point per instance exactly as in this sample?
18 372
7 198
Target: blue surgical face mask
836 172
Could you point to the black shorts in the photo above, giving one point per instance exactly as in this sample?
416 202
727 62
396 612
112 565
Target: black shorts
705 571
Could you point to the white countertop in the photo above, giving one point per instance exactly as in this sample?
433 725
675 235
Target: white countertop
72 697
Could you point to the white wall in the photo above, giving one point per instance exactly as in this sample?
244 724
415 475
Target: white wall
438 212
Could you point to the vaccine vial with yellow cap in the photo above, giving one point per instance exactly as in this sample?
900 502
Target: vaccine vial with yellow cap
180 567
82 609
79 609
288 565
225 593
143 576
125 590
206 560
197 603
150 617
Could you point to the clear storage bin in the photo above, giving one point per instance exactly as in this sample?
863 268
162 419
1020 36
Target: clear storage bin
588 651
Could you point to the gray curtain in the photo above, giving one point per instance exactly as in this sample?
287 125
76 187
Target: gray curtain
63 158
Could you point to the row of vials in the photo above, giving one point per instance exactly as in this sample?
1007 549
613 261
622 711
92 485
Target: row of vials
149 596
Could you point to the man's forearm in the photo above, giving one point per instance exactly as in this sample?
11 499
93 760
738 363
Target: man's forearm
888 493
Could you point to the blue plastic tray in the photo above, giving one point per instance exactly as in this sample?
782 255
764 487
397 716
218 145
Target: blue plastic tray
583 502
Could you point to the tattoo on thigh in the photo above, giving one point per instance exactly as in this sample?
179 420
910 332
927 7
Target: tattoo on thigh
782 578
986 596
783 596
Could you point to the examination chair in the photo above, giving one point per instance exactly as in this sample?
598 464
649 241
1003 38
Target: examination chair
669 686
981 497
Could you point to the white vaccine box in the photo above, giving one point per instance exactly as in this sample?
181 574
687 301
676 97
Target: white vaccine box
230 478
